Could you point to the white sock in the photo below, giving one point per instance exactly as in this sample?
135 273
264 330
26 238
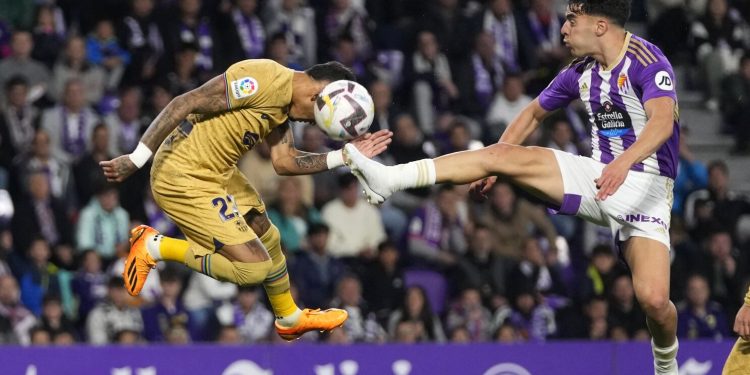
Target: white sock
665 358
152 245
289 320
416 174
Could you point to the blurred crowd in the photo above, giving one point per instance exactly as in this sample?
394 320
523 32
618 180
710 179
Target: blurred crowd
81 80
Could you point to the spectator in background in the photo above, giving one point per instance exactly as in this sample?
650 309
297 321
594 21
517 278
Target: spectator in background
126 125
382 97
512 45
103 49
89 283
49 34
70 124
250 316
437 235
416 309
346 52
448 22
480 77
459 137
41 158
721 265
108 321
201 296
297 23
43 215
717 41
356 226
20 63
624 310
277 50
87 172
13 310
346 17
692 174
167 312
600 274
244 30
483 270
469 313
139 33
103 225
291 215
532 320
506 105
74 64
38 276
53 320
715 205
429 76
189 27
228 335
383 283
699 317
18 122
511 219
40 336
534 272
185 75
409 144
542 24
735 101
315 271
361 326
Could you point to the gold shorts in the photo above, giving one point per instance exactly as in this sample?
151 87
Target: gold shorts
206 206
738 362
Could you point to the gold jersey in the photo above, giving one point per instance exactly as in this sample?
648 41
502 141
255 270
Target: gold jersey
258 94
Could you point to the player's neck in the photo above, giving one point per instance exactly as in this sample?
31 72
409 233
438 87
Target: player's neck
611 48
303 89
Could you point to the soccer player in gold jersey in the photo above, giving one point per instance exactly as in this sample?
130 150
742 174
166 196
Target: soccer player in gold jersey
200 137
738 362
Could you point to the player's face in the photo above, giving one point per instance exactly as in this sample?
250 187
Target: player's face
579 33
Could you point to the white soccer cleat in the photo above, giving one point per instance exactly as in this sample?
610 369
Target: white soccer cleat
373 176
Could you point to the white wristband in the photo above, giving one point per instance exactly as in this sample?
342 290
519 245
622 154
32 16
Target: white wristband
335 159
140 155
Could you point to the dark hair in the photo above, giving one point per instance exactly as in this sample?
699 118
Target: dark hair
616 10
330 71
601 250
317 228
347 180
116 282
16 80
720 165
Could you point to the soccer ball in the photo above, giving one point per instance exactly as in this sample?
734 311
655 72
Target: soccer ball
344 110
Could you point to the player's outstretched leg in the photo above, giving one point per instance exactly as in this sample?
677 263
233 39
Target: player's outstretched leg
291 322
532 167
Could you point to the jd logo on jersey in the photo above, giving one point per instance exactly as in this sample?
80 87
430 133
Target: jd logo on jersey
664 81
612 121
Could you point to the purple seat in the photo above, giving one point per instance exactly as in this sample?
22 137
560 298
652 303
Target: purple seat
434 285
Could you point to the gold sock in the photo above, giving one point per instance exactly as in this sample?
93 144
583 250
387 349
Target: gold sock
173 249
277 282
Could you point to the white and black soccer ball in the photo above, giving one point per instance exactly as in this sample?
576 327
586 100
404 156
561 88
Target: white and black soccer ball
344 110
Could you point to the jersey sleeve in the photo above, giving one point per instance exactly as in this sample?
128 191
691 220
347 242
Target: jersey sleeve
656 80
254 83
561 91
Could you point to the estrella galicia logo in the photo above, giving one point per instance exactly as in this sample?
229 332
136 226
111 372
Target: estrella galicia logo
612 121
250 139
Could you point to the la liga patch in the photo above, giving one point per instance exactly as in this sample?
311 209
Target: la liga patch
244 87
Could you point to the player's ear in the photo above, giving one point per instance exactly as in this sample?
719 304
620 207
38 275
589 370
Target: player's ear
601 26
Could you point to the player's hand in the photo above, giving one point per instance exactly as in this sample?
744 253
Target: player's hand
479 189
742 322
372 144
118 169
613 175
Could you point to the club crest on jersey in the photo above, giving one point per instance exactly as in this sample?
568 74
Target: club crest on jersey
623 83
612 121
244 87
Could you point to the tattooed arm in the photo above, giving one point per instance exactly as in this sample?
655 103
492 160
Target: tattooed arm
208 98
288 160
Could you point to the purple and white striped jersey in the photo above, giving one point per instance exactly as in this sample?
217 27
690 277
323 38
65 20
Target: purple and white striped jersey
614 99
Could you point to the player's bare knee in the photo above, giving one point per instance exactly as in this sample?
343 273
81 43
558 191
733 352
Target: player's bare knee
654 303
504 159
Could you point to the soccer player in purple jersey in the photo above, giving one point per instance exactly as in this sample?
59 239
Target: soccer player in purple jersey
628 88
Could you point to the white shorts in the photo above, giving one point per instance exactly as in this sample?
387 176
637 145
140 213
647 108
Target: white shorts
641 207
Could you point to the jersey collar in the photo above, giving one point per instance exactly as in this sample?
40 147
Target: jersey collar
624 49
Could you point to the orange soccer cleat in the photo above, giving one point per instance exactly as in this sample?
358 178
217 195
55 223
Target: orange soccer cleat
312 320
139 262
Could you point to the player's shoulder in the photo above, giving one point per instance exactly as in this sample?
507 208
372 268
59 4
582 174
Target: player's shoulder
258 65
645 52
